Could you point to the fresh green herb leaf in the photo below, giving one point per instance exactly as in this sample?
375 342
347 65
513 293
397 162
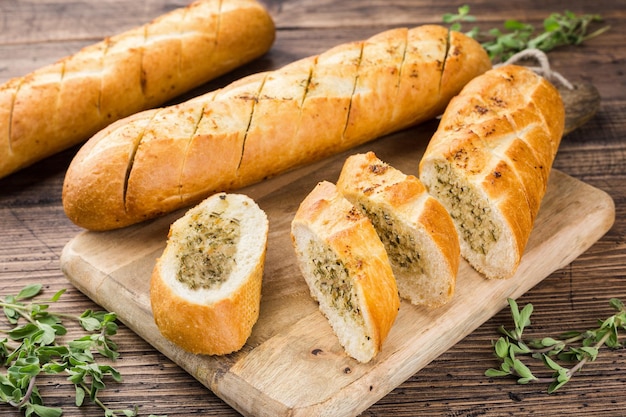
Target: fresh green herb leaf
29 292
574 347
33 347
559 29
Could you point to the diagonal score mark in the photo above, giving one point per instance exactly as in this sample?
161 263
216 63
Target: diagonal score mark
188 147
304 97
131 159
354 85
445 60
402 62
255 100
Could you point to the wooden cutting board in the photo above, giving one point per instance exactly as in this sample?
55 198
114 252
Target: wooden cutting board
292 364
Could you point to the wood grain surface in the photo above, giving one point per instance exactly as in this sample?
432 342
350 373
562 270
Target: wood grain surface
34 229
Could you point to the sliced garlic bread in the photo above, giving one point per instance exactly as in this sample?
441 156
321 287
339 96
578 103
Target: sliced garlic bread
347 270
206 286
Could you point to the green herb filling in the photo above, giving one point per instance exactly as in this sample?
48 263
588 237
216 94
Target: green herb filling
208 248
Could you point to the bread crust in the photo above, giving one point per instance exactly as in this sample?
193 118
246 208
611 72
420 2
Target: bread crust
498 138
328 216
267 123
65 103
417 231
214 321
217 329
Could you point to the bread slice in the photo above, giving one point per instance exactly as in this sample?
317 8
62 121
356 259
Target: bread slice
347 270
206 287
417 231
489 163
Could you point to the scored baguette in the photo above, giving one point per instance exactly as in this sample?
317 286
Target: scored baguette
489 163
417 231
205 290
346 269
160 160
63 104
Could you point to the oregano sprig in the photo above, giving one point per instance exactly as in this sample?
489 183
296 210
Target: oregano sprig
32 347
558 29
575 347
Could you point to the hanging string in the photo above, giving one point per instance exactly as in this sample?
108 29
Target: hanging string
544 66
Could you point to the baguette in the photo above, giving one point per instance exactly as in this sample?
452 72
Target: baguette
489 163
417 231
163 159
205 290
346 269
65 103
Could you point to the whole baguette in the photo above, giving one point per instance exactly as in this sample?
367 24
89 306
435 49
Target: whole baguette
160 160
205 290
417 231
489 163
65 103
347 270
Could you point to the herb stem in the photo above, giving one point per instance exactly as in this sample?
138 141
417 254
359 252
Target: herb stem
561 343
580 347
25 309
27 394
584 360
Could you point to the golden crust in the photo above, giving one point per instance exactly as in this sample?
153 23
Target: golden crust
265 124
217 329
353 239
63 104
500 135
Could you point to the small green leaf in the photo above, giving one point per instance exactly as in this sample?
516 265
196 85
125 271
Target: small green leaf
590 352
562 375
47 335
525 314
90 323
514 310
548 341
520 348
495 372
43 411
501 348
22 332
80 396
617 304
522 370
551 363
58 295
555 386
130 413
29 292
11 314
525 380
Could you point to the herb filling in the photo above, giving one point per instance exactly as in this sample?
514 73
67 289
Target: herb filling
470 212
208 248
333 281
400 246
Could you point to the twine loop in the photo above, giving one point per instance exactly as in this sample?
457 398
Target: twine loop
544 66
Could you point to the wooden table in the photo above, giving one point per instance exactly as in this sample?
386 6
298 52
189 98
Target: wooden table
34 229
